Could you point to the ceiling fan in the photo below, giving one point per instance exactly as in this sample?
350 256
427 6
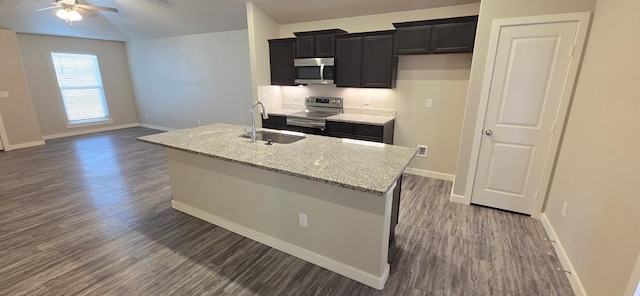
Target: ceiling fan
69 10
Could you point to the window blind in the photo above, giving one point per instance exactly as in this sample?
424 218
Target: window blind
81 87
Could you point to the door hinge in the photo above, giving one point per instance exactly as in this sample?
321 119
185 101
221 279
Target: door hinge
573 48
553 128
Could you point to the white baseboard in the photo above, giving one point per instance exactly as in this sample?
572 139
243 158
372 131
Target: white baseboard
24 145
317 259
156 127
574 279
459 199
90 131
430 174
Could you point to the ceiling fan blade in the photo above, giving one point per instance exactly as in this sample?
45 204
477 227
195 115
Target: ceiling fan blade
93 7
47 8
87 12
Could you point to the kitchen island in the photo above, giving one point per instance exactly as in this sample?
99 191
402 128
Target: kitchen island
325 200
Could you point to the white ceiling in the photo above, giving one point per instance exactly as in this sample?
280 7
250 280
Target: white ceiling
144 19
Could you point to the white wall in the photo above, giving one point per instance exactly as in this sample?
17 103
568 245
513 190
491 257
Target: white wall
597 169
112 57
443 78
17 112
185 81
490 10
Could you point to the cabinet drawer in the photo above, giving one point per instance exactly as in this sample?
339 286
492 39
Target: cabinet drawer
275 122
340 128
368 130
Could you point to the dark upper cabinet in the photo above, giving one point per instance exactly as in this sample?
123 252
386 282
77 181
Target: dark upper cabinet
366 60
413 40
282 52
305 46
348 61
451 35
317 44
379 65
453 38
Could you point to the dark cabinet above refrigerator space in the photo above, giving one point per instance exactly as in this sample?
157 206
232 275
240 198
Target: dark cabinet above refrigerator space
450 35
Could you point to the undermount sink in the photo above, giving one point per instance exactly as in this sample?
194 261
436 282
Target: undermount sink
274 137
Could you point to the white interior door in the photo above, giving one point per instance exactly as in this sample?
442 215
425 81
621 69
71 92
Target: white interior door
528 78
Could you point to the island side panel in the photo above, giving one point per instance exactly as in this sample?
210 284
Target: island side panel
348 230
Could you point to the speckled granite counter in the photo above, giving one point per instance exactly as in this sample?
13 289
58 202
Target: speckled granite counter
364 166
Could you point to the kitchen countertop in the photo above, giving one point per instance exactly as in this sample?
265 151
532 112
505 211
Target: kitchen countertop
364 166
343 117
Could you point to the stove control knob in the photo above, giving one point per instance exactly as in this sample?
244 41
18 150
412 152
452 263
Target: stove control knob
333 101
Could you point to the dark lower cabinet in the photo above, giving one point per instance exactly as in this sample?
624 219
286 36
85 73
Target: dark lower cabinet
366 60
282 52
395 211
365 132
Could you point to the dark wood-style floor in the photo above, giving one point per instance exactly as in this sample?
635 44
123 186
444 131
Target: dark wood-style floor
91 215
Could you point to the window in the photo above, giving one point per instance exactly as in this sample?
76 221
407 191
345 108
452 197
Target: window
81 87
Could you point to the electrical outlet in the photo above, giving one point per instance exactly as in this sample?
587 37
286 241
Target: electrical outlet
265 97
429 103
146 115
422 150
4 94
564 208
303 219
367 100
199 122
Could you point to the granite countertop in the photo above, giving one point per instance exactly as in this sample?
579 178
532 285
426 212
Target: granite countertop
343 117
364 166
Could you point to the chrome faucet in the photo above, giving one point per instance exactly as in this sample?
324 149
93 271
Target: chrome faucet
265 115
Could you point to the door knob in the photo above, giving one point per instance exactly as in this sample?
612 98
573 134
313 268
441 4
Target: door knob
488 132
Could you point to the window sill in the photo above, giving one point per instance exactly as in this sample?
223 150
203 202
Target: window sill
89 122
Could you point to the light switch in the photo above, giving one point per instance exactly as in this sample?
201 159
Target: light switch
429 103
4 94
367 100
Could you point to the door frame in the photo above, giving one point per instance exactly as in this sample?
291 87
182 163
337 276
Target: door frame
583 20
3 136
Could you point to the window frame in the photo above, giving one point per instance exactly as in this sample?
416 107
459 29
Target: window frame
89 121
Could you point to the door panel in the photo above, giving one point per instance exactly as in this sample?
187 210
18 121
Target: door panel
529 74
523 98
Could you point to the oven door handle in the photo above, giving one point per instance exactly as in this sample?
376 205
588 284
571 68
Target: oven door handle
305 123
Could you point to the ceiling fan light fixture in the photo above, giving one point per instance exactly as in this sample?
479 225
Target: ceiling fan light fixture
69 15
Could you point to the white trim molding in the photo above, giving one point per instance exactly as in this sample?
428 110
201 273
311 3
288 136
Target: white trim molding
582 19
430 174
573 277
156 127
90 131
459 199
317 259
24 145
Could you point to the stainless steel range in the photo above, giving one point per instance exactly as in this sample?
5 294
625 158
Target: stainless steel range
316 113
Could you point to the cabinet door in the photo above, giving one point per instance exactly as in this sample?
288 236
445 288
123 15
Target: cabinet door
413 40
348 62
378 62
281 56
305 46
325 45
453 38
275 122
